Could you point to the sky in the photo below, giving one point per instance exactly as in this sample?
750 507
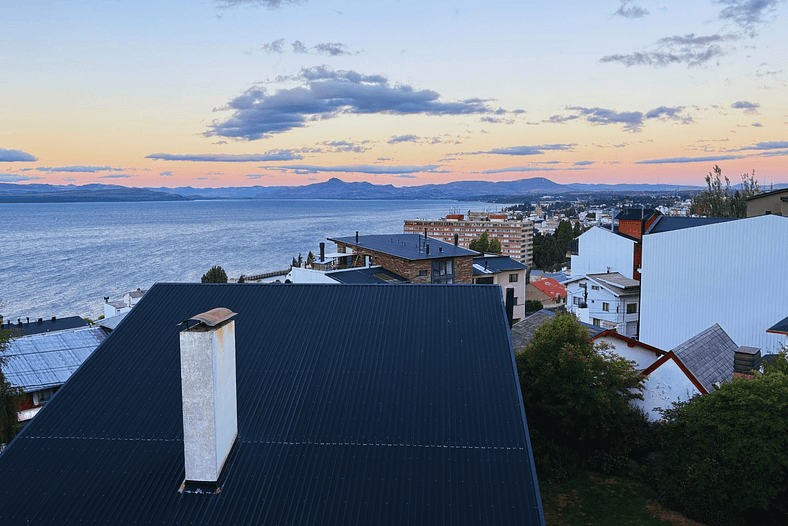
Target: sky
217 93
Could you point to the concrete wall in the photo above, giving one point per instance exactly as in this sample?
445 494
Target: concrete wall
771 203
731 273
667 384
599 249
642 357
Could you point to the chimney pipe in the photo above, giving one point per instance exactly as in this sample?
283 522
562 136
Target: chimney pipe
356 236
427 248
456 240
510 306
210 421
323 252
425 233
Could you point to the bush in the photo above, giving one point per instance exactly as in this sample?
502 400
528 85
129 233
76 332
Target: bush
533 305
215 275
724 456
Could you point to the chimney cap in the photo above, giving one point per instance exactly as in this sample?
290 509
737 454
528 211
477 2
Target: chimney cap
212 318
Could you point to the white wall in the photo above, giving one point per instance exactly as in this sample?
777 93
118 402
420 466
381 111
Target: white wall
616 317
733 273
303 275
667 384
642 357
599 249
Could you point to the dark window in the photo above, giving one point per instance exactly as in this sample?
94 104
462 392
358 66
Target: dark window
632 308
512 278
606 307
486 280
423 272
443 271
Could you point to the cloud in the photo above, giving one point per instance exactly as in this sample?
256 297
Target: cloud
633 11
406 176
770 145
116 176
497 120
633 121
690 49
13 156
359 168
326 94
165 174
270 155
344 146
747 13
561 119
78 169
527 150
332 49
69 179
584 163
526 169
16 178
270 4
678 160
257 176
756 125
750 108
403 138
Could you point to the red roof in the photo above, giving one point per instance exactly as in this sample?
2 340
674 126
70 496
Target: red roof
550 287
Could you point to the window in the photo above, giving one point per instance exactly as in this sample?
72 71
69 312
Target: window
594 287
512 278
577 300
422 272
485 280
632 308
605 306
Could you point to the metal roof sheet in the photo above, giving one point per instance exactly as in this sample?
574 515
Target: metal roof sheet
615 279
635 214
779 327
47 360
670 223
45 325
406 246
370 275
399 406
496 264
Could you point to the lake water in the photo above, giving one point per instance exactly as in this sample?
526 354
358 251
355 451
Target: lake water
61 259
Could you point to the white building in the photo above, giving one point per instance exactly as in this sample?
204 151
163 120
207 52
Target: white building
731 273
506 273
608 300
600 250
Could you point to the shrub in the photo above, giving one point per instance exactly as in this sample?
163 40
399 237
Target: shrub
215 275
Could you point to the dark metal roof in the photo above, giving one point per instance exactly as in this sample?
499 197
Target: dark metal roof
780 327
46 325
399 406
495 265
636 214
406 246
669 223
366 275
45 360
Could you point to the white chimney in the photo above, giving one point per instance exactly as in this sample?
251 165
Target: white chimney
210 421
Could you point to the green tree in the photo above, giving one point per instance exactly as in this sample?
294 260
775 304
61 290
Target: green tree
242 279
495 246
215 275
10 398
533 305
480 245
723 458
575 395
720 200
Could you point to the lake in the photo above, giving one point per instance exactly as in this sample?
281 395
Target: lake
61 259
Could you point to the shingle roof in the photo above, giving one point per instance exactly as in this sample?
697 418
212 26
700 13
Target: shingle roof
406 246
495 265
669 223
399 406
46 325
47 360
523 330
370 275
709 356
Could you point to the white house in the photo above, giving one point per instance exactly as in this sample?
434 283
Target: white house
600 250
608 300
506 273
732 273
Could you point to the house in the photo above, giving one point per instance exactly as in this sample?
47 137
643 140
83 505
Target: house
523 331
417 258
774 202
354 405
27 327
603 250
781 327
504 272
547 291
40 364
354 275
709 355
115 307
728 272
608 300
633 350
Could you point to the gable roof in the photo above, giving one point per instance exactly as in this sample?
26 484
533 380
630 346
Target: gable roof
781 327
670 355
45 325
401 406
370 275
709 356
629 341
523 331
636 214
670 223
495 265
615 280
45 360
550 287
406 246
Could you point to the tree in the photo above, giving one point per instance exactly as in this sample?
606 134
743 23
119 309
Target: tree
574 394
720 201
723 458
10 398
215 275
495 246
480 245
533 305
242 279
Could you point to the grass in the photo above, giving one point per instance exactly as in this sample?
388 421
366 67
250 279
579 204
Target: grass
590 499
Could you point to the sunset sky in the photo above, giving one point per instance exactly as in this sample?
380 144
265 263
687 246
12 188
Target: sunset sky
281 92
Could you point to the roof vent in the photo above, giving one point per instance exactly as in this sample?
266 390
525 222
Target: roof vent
210 413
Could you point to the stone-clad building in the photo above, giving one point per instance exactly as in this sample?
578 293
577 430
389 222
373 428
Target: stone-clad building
419 259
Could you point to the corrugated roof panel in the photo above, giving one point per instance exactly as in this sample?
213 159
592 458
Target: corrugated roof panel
399 406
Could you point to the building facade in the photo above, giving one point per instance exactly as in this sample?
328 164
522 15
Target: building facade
609 300
516 237
507 274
